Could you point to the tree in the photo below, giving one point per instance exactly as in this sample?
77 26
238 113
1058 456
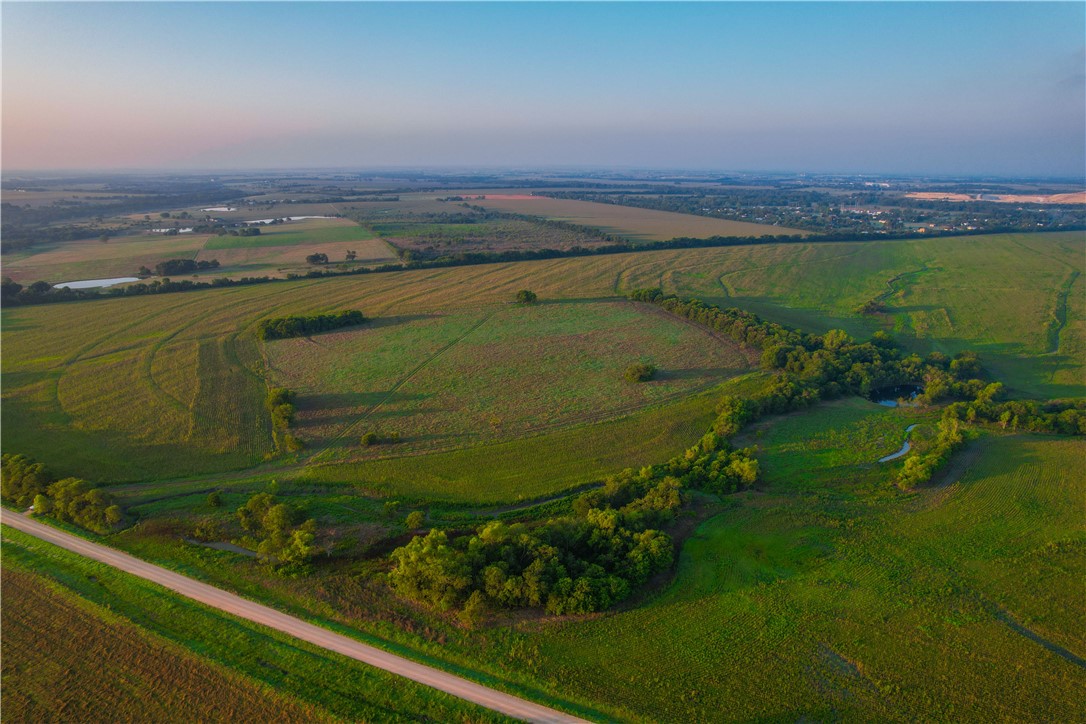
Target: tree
370 438
214 500
474 610
42 505
415 520
351 256
640 372
104 238
525 296
317 258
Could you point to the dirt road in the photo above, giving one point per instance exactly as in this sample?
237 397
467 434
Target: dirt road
243 608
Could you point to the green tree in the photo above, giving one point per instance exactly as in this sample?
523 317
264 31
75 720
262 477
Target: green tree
415 520
214 499
525 296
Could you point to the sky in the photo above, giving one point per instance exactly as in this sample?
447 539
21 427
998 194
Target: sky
920 88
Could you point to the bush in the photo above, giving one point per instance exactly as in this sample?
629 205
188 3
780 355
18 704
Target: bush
525 296
640 372
415 520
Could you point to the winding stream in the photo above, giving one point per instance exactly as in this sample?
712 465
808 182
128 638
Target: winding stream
904 448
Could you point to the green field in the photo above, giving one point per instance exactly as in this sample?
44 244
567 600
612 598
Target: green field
855 602
823 593
464 378
72 627
308 232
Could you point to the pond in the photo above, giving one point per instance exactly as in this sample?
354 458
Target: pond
92 283
890 396
286 218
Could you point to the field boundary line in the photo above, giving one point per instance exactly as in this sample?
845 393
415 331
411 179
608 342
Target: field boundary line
327 639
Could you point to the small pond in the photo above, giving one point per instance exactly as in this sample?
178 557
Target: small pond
286 218
92 283
889 396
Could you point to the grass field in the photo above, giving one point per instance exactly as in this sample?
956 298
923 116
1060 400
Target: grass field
113 384
72 626
307 232
533 467
802 601
121 256
632 223
463 378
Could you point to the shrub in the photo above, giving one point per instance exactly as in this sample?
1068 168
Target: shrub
640 372
525 296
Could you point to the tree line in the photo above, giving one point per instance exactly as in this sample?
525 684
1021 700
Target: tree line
24 482
301 326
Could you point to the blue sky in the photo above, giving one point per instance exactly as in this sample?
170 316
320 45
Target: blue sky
942 88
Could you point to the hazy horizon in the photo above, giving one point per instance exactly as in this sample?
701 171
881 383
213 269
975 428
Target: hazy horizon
972 89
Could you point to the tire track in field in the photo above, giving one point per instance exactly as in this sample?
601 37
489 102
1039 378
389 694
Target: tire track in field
404 380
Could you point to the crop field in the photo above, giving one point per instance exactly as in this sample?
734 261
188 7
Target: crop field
801 601
113 383
465 378
55 646
632 223
148 654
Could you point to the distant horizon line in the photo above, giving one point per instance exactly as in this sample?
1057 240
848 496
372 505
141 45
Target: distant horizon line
457 169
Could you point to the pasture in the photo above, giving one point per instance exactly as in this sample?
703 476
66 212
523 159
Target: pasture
628 222
464 378
837 601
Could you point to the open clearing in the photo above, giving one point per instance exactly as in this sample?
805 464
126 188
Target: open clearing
464 378
629 222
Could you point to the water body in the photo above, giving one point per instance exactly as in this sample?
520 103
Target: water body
904 448
92 283
889 396
286 218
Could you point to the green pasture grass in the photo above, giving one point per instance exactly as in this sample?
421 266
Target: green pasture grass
470 377
845 437
808 602
307 231
533 467
231 668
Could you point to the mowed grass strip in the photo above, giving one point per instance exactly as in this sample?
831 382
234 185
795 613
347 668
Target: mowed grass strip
123 648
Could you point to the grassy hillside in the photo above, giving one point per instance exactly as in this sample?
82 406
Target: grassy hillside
847 600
